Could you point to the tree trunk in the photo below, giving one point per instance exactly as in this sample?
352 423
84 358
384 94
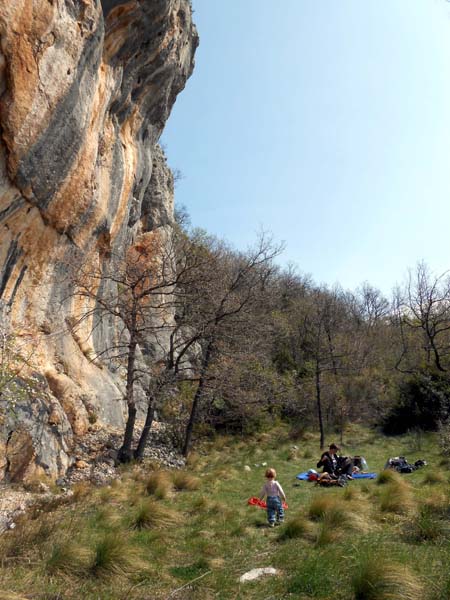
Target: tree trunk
342 426
437 358
196 401
139 452
319 406
125 453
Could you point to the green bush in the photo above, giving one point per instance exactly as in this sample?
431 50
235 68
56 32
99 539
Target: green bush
423 402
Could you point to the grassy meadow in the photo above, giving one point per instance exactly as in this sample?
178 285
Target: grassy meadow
190 534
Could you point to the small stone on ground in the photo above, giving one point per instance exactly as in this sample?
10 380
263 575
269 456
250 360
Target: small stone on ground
257 573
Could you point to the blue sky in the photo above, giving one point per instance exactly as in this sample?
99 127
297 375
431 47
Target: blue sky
326 122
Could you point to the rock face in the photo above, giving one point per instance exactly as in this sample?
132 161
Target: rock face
85 90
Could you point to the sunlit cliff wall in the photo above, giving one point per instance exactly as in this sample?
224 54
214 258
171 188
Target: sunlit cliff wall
85 90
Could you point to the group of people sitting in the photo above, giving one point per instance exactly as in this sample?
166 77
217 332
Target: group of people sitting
337 470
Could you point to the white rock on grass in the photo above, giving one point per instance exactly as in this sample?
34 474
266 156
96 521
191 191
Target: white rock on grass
247 468
257 573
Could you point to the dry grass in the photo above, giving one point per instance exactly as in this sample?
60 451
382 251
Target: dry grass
116 484
433 478
397 498
134 492
185 481
264 438
137 474
193 460
105 516
425 527
221 442
337 516
81 490
150 514
68 558
438 503
366 488
201 504
378 579
224 474
388 476
105 494
113 555
327 534
159 484
119 491
321 505
123 541
21 542
352 494
297 527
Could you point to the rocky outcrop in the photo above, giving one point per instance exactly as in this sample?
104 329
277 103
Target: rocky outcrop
85 90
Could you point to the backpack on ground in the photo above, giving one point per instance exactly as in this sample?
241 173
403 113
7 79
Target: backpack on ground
401 465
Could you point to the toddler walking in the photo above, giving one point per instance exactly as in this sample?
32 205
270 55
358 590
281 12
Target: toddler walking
274 492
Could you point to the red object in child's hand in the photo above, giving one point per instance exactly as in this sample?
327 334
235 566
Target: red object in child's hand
254 501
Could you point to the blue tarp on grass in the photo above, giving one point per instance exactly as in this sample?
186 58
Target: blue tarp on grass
304 476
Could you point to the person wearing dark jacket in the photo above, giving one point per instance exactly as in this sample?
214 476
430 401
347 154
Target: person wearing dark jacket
335 465
328 460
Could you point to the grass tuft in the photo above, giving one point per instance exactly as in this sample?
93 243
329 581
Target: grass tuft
438 503
112 555
193 460
159 484
353 494
81 490
124 541
298 527
185 481
67 558
322 505
29 535
104 517
336 516
150 514
397 498
388 476
426 527
327 534
379 579
433 478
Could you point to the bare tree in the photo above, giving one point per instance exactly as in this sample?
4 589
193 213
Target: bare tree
181 294
237 283
142 290
424 307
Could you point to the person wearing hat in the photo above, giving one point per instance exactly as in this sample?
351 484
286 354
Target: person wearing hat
328 460
335 465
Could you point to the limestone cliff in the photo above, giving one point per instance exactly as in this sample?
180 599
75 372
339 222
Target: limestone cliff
85 90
